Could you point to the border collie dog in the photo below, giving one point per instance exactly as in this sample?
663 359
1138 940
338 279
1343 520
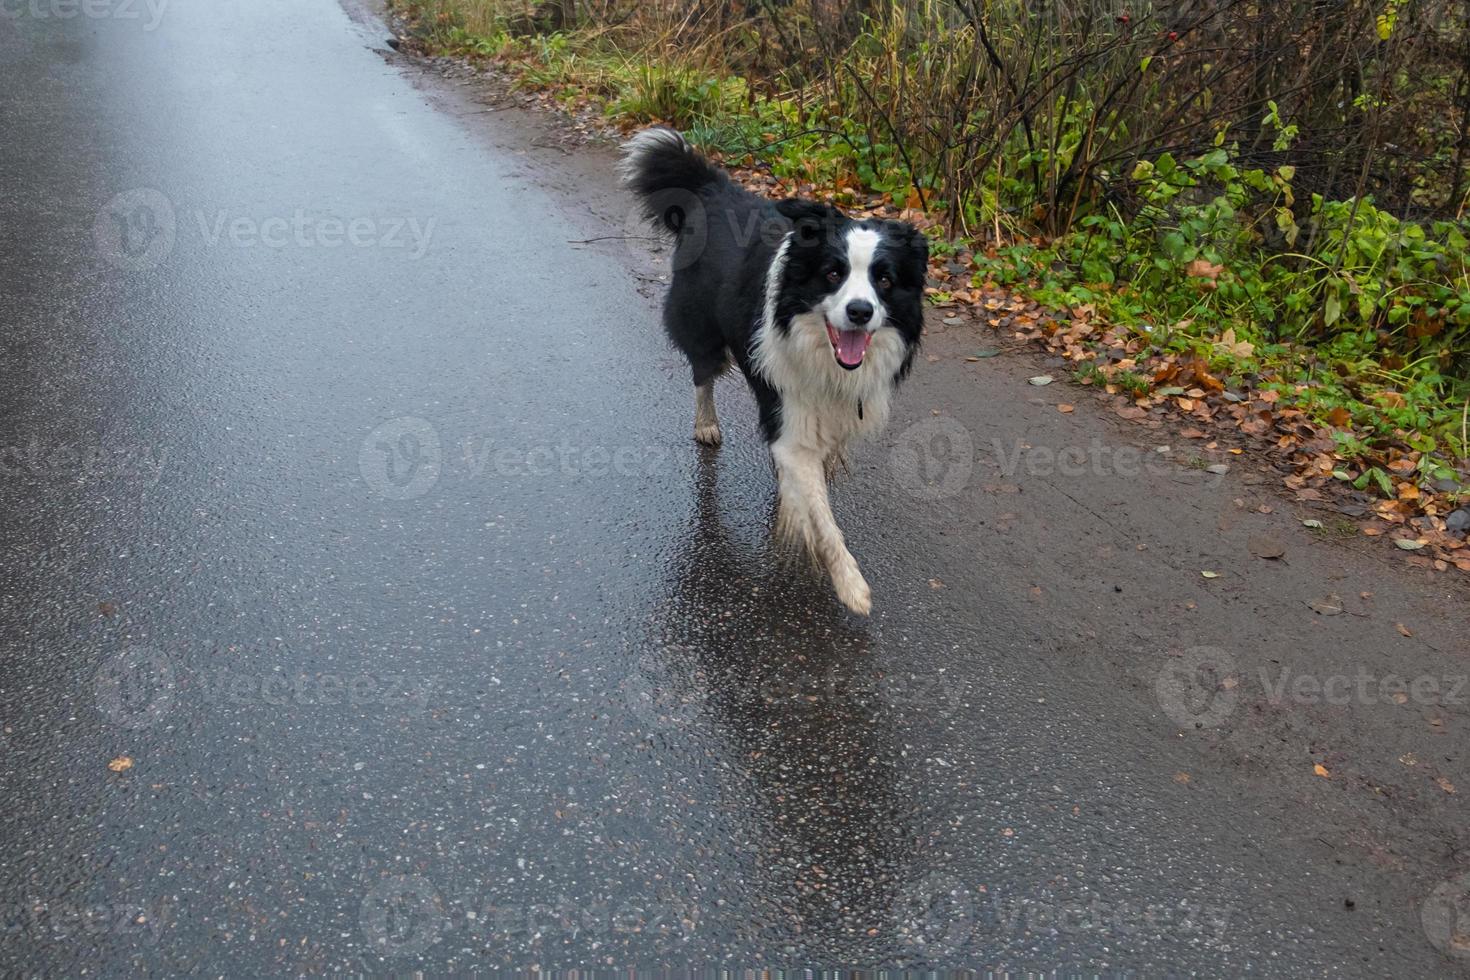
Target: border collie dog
821 312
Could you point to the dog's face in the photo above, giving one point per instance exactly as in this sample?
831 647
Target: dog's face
862 276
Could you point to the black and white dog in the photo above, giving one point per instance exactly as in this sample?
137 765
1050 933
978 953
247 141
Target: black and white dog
822 313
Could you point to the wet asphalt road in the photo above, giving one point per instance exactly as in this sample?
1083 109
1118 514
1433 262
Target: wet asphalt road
356 509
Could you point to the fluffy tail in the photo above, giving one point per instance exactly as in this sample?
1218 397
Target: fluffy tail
664 170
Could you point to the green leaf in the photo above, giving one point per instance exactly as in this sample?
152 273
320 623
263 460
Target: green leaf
1384 483
1333 312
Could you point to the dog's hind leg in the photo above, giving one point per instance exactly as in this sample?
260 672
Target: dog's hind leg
706 421
806 516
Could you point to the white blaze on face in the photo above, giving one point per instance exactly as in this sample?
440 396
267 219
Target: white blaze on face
862 244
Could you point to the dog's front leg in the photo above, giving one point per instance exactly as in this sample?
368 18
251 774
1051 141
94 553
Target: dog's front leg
806 516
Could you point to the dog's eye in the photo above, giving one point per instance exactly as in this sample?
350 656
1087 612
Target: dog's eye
885 283
834 276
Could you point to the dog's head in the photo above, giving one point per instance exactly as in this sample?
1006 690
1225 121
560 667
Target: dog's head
862 276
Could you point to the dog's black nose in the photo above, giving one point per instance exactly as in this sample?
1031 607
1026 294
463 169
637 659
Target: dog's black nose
859 312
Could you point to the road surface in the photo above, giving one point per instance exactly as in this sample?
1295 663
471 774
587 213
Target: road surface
368 606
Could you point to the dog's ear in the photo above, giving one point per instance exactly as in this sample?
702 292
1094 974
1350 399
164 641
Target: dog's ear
799 210
920 243
812 223
915 249
912 237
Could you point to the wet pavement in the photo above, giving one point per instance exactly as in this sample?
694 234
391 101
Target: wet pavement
367 605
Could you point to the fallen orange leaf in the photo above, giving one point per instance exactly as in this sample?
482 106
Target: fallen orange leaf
1204 269
1321 770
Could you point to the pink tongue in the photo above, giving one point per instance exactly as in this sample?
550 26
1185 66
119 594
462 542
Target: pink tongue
852 345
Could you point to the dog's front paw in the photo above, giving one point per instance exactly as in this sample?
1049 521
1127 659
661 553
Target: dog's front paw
852 588
708 435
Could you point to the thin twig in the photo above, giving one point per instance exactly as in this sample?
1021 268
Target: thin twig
796 136
615 238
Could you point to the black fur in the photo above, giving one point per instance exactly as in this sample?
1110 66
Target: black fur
726 239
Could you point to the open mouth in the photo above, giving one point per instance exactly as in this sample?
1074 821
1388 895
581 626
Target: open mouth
849 346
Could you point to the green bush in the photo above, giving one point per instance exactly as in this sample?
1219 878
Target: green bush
1384 302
